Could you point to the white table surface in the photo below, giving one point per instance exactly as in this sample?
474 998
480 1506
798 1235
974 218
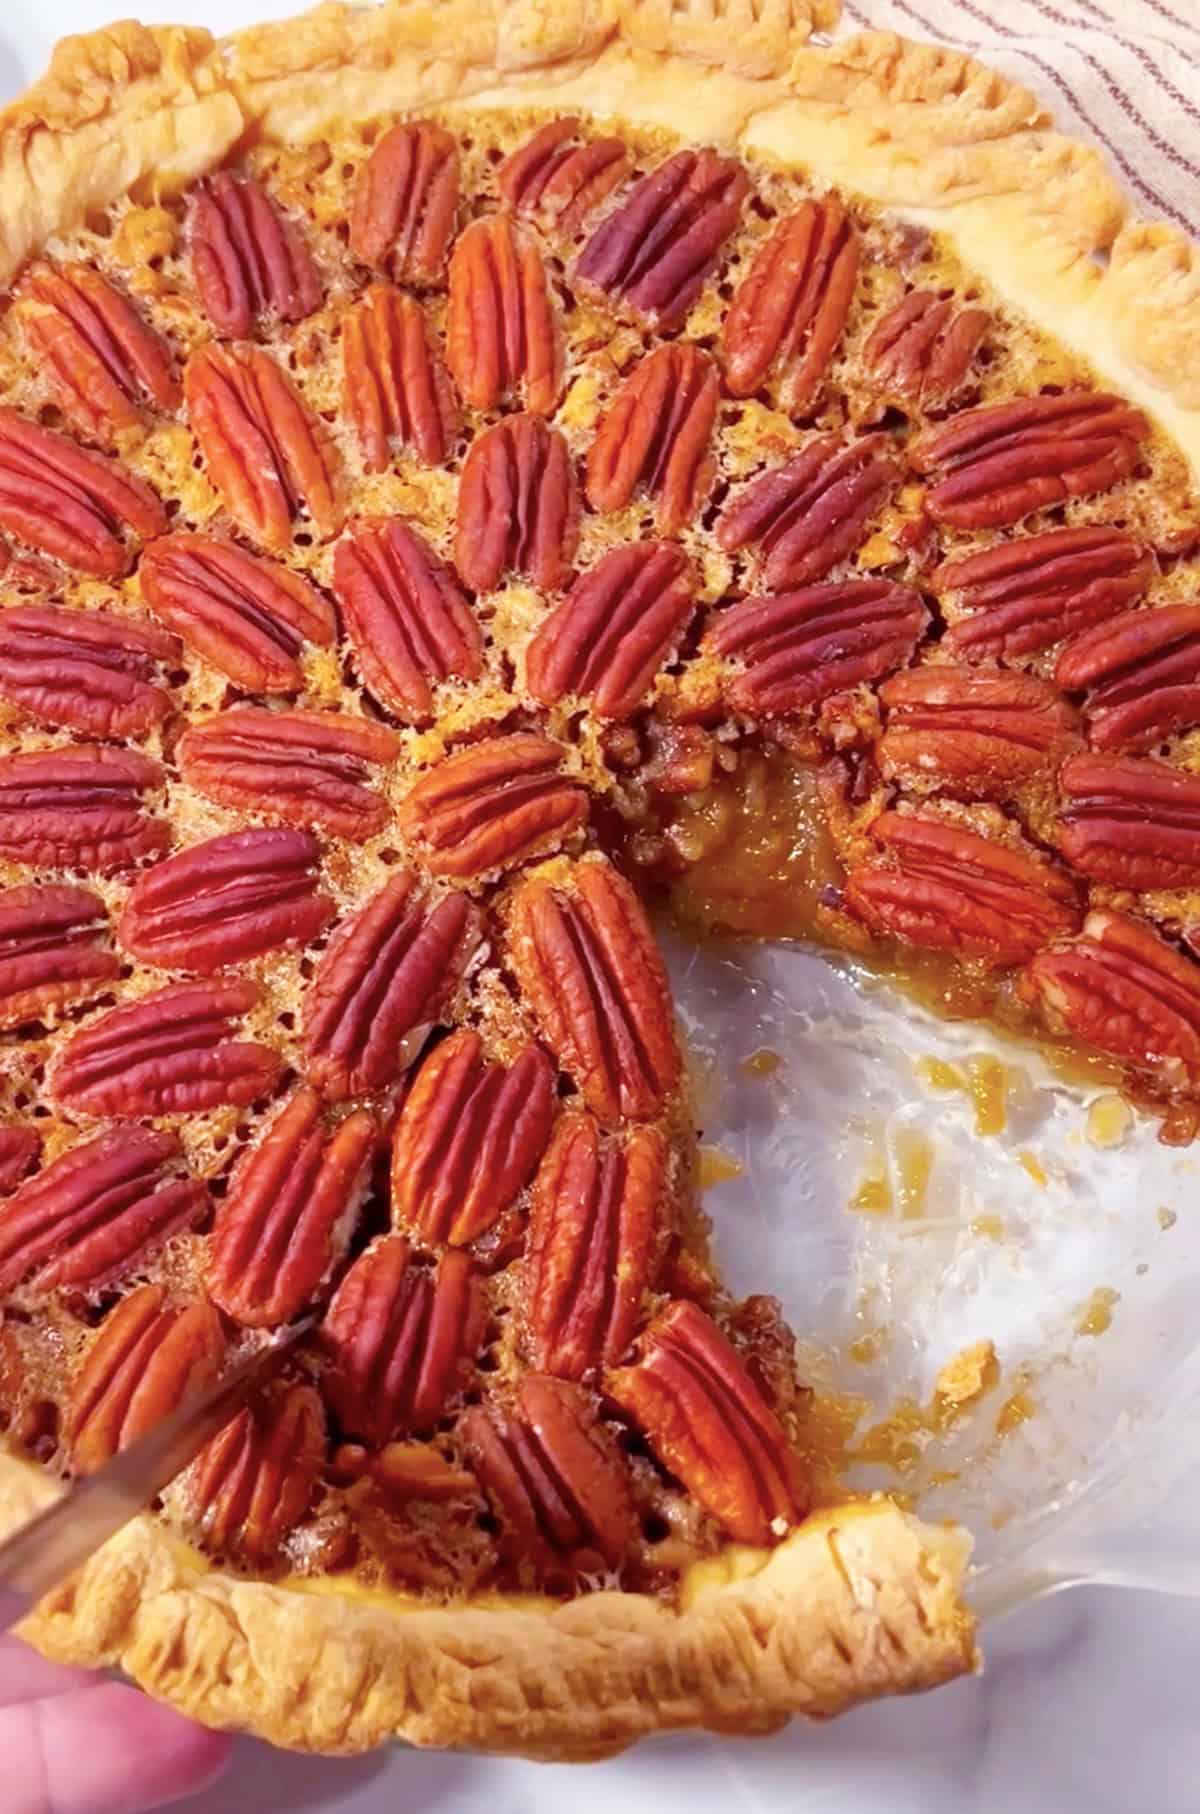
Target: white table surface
1089 1701
1088 1706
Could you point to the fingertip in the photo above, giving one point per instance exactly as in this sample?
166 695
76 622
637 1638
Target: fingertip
191 1756
112 1747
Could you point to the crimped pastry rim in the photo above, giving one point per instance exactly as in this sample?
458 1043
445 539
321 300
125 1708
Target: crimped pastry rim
858 1601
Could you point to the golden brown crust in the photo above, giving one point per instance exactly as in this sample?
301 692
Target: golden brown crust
858 1602
1152 291
116 110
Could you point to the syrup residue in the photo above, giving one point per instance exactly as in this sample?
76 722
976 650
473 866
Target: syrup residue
1096 1315
912 1163
968 1375
865 1349
873 1196
1034 1167
896 1173
1109 1122
823 1432
873 1193
1017 1409
940 1074
984 1079
899 1440
988 1082
715 1166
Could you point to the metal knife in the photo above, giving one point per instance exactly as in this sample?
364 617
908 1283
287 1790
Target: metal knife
57 1540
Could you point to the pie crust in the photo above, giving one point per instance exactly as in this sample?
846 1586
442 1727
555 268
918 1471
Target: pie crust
862 1599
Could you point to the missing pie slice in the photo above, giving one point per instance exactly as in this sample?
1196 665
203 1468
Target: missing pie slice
462 467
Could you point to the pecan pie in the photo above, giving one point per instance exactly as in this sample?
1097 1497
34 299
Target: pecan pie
439 498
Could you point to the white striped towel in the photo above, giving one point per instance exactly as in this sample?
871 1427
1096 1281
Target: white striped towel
1123 73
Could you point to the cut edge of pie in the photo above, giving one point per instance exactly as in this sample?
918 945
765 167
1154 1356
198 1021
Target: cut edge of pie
862 1599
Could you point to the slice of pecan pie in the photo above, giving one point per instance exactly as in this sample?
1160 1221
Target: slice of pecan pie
442 497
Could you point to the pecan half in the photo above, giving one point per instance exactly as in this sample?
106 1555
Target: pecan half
1001 461
614 630
79 807
89 671
52 951
405 614
226 900
559 177
655 250
973 732
248 259
306 768
790 309
381 984
709 1424
20 1148
398 1338
97 1212
796 649
919 353
586 958
266 454
393 381
104 362
250 617
167 1054
468 1138
492 805
146 1358
656 433
945 888
1141 675
255 1480
1130 822
518 506
1026 595
1121 989
554 1477
290 1212
84 509
593 1239
810 513
405 199
501 332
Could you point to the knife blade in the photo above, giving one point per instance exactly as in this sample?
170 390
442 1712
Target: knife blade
57 1540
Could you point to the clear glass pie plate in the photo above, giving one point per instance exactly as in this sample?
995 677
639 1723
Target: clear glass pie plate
898 1236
